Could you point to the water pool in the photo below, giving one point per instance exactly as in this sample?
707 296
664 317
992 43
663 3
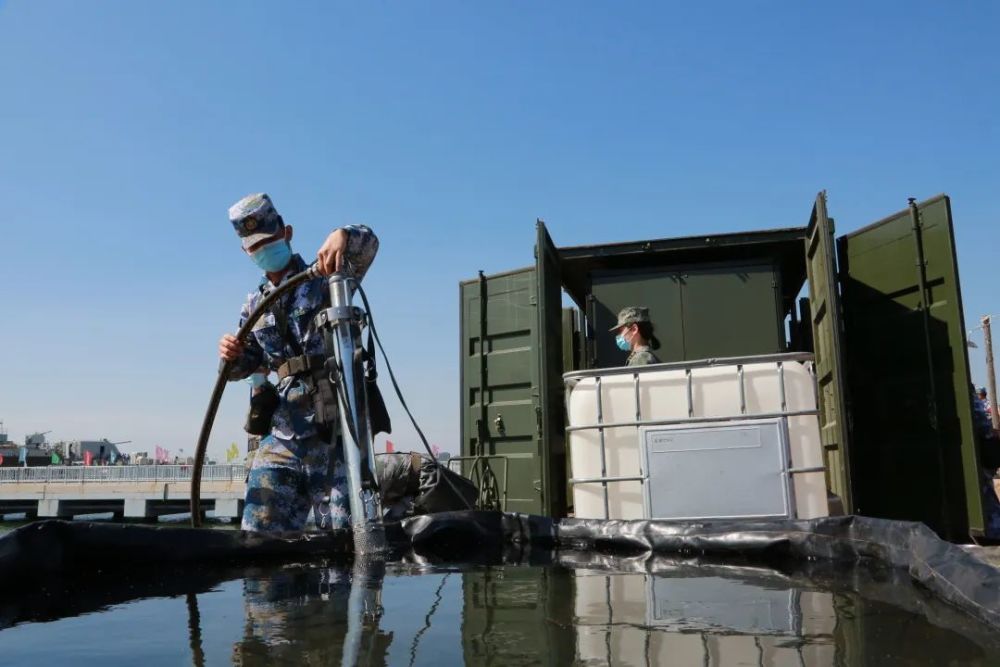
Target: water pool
569 608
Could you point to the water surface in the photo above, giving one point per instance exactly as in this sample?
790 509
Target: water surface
579 609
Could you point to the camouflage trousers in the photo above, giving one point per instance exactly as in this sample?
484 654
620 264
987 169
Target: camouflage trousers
288 477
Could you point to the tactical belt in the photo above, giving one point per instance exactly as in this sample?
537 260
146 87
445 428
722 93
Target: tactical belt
301 365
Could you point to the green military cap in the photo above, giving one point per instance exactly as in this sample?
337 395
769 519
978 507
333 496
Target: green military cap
631 315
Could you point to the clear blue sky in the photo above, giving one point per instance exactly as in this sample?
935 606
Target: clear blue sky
128 128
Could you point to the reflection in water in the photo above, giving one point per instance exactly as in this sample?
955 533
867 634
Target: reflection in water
194 631
314 615
598 610
583 608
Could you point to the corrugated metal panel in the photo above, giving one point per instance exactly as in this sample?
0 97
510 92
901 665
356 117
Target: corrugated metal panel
824 310
502 419
512 364
913 451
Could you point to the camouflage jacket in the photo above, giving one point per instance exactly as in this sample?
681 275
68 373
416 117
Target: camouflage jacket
641 356
267 346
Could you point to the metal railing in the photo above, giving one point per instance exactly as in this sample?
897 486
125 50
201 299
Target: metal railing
481 474
120 474
571 379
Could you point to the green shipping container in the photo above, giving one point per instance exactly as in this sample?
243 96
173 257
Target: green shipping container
883 319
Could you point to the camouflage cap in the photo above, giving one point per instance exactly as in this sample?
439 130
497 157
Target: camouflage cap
631 315
255 218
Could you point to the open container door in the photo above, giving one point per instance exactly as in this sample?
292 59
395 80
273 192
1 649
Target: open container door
913 448
550 434
825 313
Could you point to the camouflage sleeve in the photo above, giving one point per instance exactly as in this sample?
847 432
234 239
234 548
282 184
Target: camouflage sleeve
252 357
362 245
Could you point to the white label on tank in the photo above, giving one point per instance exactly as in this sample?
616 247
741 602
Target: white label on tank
678 440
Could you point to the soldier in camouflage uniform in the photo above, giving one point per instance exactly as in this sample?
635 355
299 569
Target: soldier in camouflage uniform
294 469
634 334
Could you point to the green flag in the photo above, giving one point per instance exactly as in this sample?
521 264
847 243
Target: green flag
55 458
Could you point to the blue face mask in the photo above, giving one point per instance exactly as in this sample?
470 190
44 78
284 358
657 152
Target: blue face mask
273 257
622 343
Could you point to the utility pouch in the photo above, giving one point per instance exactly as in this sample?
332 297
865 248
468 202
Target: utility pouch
262 406
324 398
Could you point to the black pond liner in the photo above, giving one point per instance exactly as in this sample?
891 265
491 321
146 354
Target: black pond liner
88 558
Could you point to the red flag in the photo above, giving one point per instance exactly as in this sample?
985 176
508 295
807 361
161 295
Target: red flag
389 449
87 458
436 450
1 459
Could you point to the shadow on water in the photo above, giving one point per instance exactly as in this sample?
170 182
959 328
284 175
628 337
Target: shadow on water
562 608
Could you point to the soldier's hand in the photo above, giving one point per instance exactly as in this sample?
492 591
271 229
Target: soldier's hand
230 348
330 257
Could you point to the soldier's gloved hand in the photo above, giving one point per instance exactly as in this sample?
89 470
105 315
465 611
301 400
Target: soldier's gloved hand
330 257
230 348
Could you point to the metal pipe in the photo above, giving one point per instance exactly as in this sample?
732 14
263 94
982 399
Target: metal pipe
604 464
696 363
638 418
802 471
743 390
605 480
697 420
690 392
991 377
342 335
781 386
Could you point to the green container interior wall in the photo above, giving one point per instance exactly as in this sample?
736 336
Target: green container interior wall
694 310
913 451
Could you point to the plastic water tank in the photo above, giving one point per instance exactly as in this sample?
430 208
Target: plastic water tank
702 396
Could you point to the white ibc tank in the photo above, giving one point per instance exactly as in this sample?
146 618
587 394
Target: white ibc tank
705 412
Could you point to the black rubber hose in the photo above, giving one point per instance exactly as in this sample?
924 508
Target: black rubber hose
402 401
223 379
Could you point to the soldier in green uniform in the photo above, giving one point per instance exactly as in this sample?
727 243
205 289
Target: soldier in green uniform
634 334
